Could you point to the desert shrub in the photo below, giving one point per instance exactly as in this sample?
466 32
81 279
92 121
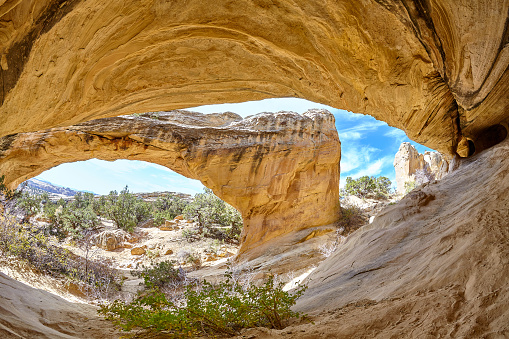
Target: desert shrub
410 186
421 176
71 218
29 243
161 274
368 187
74 221
221 309
209 211
168 207
126 210
351 218
31 203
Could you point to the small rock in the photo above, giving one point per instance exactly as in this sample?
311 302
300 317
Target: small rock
168 252
140 250
179 217
168 226
127 245
371 219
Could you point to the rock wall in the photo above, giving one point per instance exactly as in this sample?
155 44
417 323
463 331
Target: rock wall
435 264
408 161
436 69
281 171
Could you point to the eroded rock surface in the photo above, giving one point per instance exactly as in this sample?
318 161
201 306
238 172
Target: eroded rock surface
408 162
434 264
281 171
436 69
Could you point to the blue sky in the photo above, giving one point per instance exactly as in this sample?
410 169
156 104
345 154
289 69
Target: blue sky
368 147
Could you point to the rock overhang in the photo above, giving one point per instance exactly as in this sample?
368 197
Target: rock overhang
437 70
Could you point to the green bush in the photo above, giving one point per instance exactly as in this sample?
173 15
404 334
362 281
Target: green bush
209 210
368 187
221 309
168 207
31 203
410 186
73 221
126 210
160 274
29 243
351 218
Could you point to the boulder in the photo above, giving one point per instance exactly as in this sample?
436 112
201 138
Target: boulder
139 250
168 226
110 240
147 223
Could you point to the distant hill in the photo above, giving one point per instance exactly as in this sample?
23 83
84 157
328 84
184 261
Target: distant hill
55 191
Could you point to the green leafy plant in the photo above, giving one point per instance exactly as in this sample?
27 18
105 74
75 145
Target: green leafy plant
168 207
209 211
351 218
221 309
126 210
410 186
368 187
160 274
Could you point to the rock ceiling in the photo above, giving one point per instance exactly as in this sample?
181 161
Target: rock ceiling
436 69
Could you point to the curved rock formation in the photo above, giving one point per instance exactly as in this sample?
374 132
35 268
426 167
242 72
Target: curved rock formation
281 171
408 161
436 69
435 264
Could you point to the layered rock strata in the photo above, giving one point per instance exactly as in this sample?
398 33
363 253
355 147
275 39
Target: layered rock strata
436 69
281 171
408 162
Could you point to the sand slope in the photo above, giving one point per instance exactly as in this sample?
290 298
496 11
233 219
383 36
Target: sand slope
434 265
26 312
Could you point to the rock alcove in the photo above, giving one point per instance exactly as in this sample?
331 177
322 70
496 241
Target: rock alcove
438 70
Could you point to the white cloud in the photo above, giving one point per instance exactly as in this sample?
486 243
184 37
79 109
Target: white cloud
375 168
356 156
398 135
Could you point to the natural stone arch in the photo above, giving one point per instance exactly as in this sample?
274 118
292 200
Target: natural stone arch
435 69
281 171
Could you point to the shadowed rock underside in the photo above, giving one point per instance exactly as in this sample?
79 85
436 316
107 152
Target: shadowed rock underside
436 69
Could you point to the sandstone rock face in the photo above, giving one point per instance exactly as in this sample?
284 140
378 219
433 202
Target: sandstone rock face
436 69
281 171
408 161
445 244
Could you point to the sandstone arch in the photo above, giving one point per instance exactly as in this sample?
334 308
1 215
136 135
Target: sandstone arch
436 69
281 171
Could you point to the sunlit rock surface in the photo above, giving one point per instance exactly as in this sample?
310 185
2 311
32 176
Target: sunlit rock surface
436 69
280 170
408 161
434 264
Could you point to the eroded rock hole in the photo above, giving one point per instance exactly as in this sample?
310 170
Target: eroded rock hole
489 138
